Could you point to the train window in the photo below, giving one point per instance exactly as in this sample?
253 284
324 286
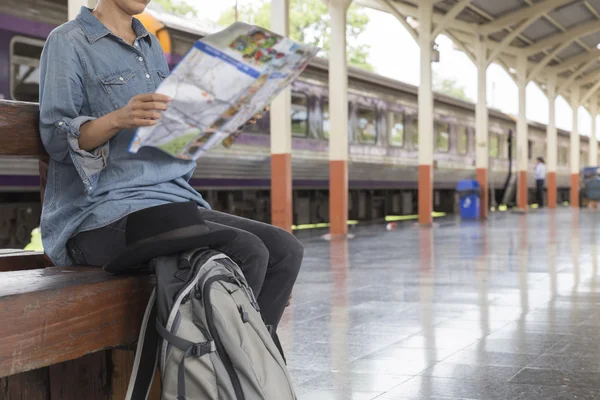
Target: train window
502 147
529 149
415 134
326 120
366 120
493 145
563 156
299 114
443 137
396 128
463 140
25 56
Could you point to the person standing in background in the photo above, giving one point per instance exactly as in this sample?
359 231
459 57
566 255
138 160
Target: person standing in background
540 177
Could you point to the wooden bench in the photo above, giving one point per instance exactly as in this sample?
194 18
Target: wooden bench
65 332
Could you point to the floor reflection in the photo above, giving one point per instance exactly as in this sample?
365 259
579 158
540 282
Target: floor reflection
506 309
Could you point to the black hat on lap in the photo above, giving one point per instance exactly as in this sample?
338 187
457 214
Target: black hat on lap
163 230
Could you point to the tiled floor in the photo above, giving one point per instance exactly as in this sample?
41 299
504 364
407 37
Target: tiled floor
503 310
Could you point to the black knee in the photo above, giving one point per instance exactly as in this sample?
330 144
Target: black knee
289 253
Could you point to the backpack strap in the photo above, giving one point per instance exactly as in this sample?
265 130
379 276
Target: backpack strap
275 338
190 349
146 356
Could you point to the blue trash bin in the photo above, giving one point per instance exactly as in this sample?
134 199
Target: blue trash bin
469 198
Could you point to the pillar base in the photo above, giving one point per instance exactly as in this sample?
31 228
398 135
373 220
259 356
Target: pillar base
338 197
425 194
482 178
522 193
281 191
575 190
552 191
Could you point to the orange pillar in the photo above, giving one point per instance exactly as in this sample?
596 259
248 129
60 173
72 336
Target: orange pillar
425 194
425 114
552 190
574 190
575 144
338 112
523 191
281 191
481 174
281 136
338 197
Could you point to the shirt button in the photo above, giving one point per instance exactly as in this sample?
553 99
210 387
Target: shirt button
136 44
141 58
121 78
147 76
61 123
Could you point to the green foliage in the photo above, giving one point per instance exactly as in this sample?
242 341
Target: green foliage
177 7
449 87
309 23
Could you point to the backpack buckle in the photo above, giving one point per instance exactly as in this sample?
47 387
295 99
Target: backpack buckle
200 349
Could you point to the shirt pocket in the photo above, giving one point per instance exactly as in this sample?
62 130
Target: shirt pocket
160 76
120 87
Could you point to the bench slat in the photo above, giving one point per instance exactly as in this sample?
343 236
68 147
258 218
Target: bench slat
19 123
22 260
57 314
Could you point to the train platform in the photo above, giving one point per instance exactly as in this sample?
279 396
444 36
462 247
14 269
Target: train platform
505 309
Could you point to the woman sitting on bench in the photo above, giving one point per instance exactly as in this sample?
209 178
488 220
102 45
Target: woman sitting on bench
98 73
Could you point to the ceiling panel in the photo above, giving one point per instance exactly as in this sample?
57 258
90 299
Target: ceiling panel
573 50
497 8
540 29
592 40
572 14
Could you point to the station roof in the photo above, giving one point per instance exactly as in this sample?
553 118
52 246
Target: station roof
559 37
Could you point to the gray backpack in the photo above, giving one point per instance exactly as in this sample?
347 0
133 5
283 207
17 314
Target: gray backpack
204 331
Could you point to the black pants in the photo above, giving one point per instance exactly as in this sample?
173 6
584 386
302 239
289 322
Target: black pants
539 184
269 257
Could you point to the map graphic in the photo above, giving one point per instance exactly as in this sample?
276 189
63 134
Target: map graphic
223 81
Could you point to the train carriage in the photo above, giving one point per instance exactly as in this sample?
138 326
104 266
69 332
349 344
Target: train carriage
382 132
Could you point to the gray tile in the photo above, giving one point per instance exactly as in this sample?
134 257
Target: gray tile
548 377
567 363
361 382
340 394
480 357
471 372
511 346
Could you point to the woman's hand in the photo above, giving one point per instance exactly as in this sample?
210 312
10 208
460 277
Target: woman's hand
142 110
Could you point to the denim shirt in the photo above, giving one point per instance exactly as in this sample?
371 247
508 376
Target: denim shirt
85 73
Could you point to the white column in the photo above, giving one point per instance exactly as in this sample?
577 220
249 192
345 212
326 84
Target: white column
338 82
338 114
551 142
481 116
281 107
593 150
425 87
75 5
425 183
481 110
575 157
551 128
522 148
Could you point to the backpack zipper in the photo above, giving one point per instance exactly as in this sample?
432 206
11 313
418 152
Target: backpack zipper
235 380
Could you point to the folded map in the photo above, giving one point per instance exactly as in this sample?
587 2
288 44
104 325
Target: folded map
221 83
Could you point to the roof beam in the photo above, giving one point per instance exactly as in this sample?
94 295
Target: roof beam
590 92
510 37
450 17
567 37
410 10
521 14
460 45
589 78
546 60
567 83
402 18
574 61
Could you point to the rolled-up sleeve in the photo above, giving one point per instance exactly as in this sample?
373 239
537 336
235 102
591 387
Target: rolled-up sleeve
61 100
